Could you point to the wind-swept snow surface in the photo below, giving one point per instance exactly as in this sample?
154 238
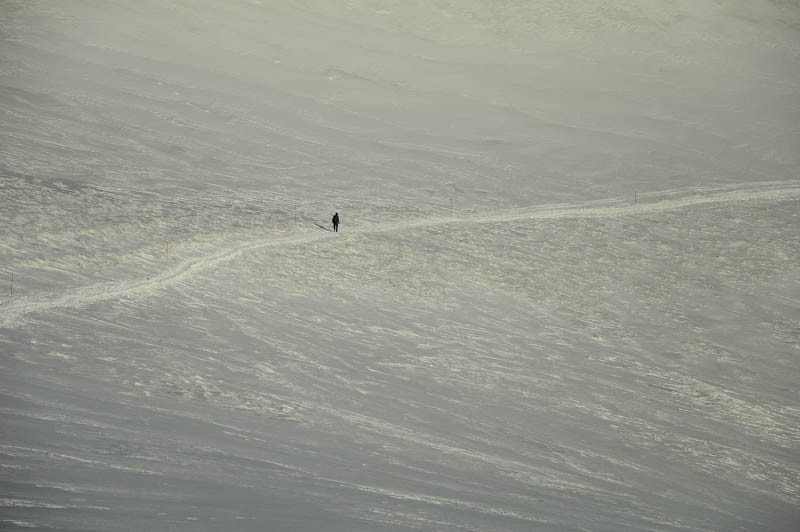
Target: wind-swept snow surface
565 294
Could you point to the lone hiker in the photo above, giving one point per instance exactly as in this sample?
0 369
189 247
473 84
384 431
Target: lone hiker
335 223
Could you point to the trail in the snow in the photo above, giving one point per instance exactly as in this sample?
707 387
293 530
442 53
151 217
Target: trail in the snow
16 309
682 198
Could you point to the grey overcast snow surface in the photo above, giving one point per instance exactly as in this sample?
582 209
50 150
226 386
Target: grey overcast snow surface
565 294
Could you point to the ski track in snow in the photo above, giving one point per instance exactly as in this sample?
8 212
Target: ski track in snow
16 309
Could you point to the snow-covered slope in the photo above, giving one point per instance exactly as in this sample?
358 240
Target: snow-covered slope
565 294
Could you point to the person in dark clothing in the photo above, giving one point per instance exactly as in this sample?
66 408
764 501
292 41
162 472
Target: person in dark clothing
336 223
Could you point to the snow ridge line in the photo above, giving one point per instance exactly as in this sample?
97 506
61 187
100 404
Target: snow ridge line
11 313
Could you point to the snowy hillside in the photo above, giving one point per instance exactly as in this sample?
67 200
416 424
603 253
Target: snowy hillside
565 294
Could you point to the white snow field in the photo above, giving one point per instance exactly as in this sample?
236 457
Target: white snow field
565 294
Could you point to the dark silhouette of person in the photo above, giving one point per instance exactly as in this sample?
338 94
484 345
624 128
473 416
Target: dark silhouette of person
335 223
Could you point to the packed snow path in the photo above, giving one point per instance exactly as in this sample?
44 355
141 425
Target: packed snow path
17 308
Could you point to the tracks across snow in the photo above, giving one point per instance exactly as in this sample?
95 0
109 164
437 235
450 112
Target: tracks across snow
14 310
608 208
